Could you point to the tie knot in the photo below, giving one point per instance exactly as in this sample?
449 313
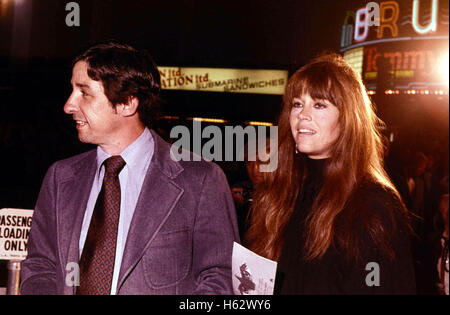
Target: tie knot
114 165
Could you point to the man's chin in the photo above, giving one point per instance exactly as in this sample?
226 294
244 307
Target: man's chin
84 139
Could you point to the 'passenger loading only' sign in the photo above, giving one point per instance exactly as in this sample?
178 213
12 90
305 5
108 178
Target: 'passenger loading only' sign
15 227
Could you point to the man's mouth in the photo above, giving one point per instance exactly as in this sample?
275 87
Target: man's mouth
80 123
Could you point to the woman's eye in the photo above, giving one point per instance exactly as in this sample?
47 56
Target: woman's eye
297 104
320 105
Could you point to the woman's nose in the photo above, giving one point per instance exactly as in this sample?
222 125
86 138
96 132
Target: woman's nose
305 113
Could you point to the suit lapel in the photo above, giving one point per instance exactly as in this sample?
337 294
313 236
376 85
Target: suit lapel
157 200
71 205
158 197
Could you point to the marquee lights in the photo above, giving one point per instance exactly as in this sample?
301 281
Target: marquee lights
411 92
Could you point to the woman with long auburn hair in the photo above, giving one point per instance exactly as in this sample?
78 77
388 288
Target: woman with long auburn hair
329 214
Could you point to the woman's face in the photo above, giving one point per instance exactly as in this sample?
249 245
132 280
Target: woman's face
314 126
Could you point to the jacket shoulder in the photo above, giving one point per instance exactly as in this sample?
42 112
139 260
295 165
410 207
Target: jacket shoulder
71 165
179 159
202 169
76 158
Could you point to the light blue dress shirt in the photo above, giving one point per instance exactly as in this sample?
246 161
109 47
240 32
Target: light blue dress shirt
137 157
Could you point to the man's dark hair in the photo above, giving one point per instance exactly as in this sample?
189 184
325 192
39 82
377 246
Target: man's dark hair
125 72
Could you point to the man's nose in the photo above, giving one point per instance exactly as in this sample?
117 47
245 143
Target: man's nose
70 107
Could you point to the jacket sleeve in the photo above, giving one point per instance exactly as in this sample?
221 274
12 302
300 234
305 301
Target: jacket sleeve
38 274
215 231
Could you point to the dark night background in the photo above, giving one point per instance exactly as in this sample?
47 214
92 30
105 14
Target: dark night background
36 47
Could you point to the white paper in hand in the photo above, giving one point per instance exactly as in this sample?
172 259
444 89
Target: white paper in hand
252 274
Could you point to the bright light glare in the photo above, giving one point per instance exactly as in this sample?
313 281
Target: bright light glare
259 123
210 120
443 68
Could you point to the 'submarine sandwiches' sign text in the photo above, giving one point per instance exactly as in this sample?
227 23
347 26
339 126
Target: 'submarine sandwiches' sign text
15 227
224 80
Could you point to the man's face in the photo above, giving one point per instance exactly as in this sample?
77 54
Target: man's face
97 122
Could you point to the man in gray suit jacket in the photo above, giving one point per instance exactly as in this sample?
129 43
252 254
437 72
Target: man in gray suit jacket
176 219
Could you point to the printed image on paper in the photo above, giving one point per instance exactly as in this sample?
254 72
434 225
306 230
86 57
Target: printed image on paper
252 274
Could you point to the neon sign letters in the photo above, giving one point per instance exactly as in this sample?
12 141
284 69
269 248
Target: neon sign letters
386 17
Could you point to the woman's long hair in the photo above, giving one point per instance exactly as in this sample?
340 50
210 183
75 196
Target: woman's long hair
357 155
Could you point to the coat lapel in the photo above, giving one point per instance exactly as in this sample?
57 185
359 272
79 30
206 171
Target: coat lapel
158 197
73 195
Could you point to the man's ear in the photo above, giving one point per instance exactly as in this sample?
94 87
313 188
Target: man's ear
130 107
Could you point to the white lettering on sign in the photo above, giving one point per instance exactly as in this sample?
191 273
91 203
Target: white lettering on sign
15 227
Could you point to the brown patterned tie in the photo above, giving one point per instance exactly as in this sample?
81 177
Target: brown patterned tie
99 251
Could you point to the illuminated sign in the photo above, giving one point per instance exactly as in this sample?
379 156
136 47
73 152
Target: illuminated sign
415 18
224 80
396 20
355 58
408 66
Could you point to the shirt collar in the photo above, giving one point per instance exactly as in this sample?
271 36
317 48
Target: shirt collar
132 153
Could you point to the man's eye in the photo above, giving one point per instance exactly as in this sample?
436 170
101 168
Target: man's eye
84 93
